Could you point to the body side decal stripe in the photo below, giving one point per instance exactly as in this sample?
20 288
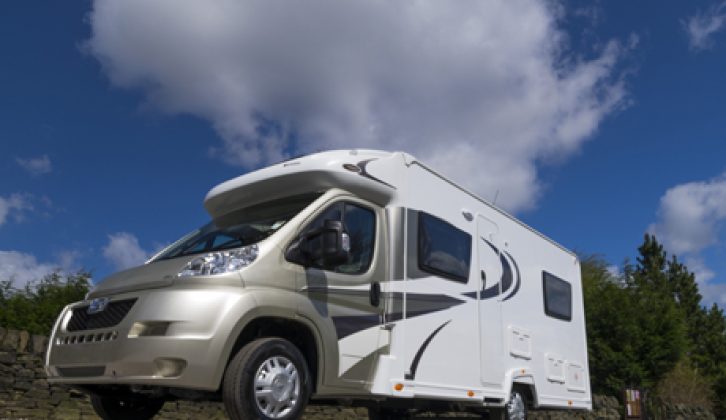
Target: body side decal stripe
411 375
418 304
347 325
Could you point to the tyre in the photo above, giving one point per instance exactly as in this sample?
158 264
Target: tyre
381 413
516 408
267 379
125 408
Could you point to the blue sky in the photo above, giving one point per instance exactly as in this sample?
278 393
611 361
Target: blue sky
595 121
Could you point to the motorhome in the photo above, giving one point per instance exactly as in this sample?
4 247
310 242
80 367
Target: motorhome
352 277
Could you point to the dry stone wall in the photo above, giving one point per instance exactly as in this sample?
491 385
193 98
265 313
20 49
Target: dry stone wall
26 394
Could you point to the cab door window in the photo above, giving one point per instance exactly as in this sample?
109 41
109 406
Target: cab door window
359 223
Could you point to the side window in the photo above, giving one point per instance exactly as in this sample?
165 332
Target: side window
360 225
557 297
443 249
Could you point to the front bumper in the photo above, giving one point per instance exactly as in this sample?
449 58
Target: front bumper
169 337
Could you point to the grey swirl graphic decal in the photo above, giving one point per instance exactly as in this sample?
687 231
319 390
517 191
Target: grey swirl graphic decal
364 173
519 277
507 280
411 375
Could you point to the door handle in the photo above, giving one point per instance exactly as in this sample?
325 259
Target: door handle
483 280
375 294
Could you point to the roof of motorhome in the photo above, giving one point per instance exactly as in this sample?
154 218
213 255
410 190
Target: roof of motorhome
328 160
312 173
323 159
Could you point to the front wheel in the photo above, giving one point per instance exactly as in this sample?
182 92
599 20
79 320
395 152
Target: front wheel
125 408
267 379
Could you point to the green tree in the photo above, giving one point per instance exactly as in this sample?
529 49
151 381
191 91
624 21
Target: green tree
709 353
647 328
636 331
611 328
35 307
706 330
664 337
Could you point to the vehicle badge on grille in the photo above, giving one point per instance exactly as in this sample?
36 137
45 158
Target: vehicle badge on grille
97 305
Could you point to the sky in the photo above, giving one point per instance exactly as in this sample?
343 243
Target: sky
594 122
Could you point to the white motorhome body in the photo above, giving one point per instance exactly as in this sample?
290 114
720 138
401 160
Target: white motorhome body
516 317
352 276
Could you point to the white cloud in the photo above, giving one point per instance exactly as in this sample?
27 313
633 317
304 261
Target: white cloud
14 206
690 215
69 260
702 26
36 166
124 251
690 220
485 91
614 271
697 265
714 293
23 268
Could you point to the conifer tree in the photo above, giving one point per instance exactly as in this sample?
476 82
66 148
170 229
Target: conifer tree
664 339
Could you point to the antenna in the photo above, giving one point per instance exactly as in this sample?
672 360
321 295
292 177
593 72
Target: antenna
496 195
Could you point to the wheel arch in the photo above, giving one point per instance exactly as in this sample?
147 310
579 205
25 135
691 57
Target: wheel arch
525 385
273 322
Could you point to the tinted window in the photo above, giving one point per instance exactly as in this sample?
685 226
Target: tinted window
443 249
557 297
360 225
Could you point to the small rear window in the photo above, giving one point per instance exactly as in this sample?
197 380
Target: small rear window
557 297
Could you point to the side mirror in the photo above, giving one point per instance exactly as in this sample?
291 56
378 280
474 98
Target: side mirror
329 245
296 254
334 245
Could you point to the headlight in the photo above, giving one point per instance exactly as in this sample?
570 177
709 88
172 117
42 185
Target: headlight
221 262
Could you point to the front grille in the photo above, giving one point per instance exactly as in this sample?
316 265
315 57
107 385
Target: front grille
113 314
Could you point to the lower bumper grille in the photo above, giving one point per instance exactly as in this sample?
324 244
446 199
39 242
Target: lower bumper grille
81 372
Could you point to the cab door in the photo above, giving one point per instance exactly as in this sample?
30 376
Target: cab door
346 296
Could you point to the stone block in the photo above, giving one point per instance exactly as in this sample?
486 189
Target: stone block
21 385
6 382
65 414
11 340
41 384
45 405
24 373
37 394
30 413
6 369
28 403
57 397
8 357
39 343
23 339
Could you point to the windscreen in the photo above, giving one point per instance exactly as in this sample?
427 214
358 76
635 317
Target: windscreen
242 227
